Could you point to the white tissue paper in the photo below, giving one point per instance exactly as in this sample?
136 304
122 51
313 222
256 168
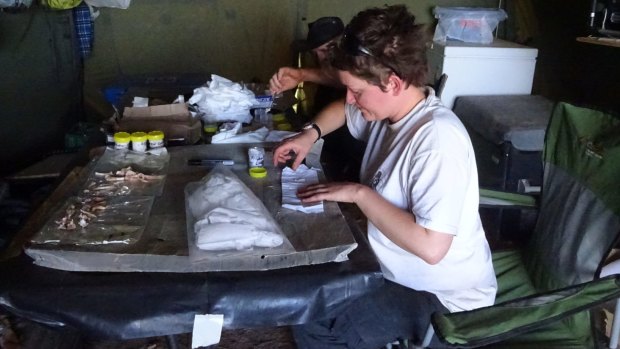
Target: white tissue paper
223 100
292 182
230 217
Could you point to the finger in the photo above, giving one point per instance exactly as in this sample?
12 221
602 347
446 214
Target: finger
312 187
280 158
298 161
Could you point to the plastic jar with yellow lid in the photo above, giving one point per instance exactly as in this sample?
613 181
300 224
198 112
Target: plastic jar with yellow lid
284 126
121 140
278 118
156 139
138 141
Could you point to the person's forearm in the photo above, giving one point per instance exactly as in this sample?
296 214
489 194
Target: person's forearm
400 226
331 117
320 76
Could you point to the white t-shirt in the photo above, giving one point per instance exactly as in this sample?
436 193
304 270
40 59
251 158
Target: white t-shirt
425 164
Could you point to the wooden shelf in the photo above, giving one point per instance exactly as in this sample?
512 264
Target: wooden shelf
600 41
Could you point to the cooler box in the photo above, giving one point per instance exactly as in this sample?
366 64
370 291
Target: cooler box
498 68
508 133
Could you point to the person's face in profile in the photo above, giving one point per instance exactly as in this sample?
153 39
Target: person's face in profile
321 53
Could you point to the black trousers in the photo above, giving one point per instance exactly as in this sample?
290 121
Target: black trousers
390 313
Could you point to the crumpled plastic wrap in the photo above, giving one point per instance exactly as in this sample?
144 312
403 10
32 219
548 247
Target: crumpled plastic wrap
223 100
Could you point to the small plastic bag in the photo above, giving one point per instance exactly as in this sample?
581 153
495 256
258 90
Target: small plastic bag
468 24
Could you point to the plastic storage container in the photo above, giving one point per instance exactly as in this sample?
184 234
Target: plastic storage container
156 139
468 24
138 141
121 140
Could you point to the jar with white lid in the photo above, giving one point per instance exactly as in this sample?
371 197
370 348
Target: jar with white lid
138 141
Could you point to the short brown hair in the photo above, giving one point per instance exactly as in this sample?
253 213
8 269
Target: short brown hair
381 41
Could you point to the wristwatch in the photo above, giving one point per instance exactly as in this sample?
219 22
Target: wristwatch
312 125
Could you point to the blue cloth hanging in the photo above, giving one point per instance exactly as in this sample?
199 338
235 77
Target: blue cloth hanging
84 29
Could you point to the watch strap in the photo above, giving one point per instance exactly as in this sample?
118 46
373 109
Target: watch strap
316 127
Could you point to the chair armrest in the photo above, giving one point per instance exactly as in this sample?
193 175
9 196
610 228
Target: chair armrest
494 198
499 322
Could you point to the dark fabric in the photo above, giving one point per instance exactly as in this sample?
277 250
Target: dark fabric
389 313
342 154
578 221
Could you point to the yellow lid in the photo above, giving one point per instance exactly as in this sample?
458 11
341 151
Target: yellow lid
155 136
210 128
280 117
258 172
138 137
122 137
285 126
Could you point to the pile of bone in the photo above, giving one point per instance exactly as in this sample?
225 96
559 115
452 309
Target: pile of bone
115 182
83 211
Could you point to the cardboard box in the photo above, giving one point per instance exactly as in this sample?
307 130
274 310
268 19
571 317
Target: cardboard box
174 120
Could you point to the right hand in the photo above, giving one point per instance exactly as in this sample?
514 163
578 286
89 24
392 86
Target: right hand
299 145
285 79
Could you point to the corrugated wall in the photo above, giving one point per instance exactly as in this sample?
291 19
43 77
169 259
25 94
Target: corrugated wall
238 39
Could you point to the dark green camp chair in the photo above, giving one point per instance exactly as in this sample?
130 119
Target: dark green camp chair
547 289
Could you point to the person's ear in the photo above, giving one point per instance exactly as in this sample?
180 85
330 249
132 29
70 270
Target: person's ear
394 85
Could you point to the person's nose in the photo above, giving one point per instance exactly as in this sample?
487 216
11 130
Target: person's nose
350 98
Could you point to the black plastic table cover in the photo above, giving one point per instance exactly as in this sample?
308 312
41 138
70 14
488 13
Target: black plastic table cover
140 305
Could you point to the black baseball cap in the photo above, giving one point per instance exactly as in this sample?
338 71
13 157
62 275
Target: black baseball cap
321 31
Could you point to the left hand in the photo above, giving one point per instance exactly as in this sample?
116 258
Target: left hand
335 191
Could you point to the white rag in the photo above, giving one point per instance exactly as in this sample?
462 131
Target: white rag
223 100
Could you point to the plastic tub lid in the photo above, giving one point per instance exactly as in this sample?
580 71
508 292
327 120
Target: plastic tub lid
258 172
155 136
122 137
285 126
138 137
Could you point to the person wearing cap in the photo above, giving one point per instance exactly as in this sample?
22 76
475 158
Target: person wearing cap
322 36
418 189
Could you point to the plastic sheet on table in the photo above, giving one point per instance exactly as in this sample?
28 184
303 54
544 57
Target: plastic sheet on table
116 220
111 176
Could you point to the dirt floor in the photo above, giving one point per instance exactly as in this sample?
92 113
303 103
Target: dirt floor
16 333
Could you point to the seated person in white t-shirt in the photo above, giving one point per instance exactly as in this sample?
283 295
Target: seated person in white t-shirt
419 188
